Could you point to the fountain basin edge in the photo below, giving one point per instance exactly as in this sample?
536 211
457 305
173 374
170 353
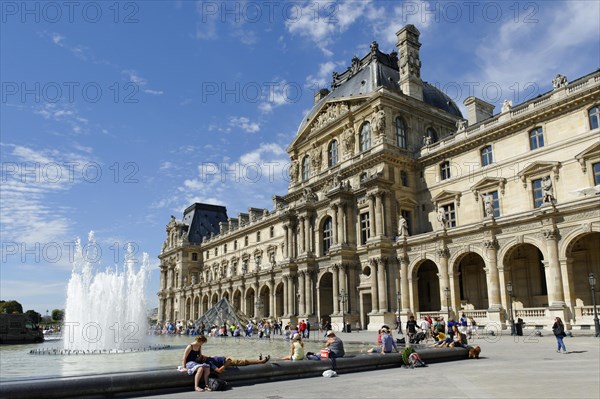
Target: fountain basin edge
149 382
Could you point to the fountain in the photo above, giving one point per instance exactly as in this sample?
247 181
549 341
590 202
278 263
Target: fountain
105 311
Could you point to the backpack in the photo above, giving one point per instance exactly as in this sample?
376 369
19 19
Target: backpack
216 384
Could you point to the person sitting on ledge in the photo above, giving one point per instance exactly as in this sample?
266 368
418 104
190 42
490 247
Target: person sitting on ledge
388 343
335 346
296 348
459 340
219 363
439 338
191 364
378 348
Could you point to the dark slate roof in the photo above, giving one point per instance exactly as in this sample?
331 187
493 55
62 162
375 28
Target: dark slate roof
203 219
371 76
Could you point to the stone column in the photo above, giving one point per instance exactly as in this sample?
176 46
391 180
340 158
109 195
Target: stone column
285 280
336 289
301 291
566 266
553 272
382 287
307 235
301 236
340 224
343 224
443 276
374 290
404 293
334 222
378 214
291 300
161 309
414 300
372 231
294 243
271 285
287 242
493 283
308 293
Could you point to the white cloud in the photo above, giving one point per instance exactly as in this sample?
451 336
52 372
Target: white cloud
154 92
244 123
30 177
64 113
135 78
248 181
518 54
323 77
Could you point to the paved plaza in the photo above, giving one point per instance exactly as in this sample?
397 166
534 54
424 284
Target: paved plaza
510 367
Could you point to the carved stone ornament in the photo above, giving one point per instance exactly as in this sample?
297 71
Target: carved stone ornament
461 125
316 158
491 244
559 81
550 234
329 113
378 121
506 106
443 253
348 138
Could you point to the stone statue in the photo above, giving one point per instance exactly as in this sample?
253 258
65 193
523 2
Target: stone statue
461 125
272 259
441 217
488 205
426 140
378 120
348 139
316 158
559 81
309 195
506 105
294 168
402 227
547 190
337 181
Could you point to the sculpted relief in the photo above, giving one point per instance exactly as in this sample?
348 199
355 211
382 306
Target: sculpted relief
330 113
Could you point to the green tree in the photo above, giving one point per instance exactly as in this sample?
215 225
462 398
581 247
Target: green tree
34 316
57 314
11 306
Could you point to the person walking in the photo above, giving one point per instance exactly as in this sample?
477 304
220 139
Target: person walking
558 328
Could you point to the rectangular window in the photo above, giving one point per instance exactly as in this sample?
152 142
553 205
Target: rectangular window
207 255
538 193
486 156
258 236
272 231
450 212
235 245
445 170
246 241
404 178
225 248
194 256
596 169
364 228
495 203
216 251
536 138
408 216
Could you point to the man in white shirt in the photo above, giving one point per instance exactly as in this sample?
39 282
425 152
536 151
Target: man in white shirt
425 327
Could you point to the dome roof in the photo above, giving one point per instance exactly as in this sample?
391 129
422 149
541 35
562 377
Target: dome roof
368 74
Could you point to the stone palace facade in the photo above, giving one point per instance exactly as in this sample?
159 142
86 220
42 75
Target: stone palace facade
399 205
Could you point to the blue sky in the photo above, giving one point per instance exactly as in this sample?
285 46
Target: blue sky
115 116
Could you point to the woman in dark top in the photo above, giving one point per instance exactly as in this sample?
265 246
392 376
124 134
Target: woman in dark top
190 363
559 332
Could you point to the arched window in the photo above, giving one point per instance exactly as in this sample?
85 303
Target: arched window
486 155
594 114
332 153
305 168
327 234
401 133
365 136
432 134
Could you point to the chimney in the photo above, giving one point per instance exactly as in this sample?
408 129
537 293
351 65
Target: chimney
409 62
322 93
477 110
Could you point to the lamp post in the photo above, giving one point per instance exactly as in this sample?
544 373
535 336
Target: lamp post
592 281
342 297
399 320
509 289
447 292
